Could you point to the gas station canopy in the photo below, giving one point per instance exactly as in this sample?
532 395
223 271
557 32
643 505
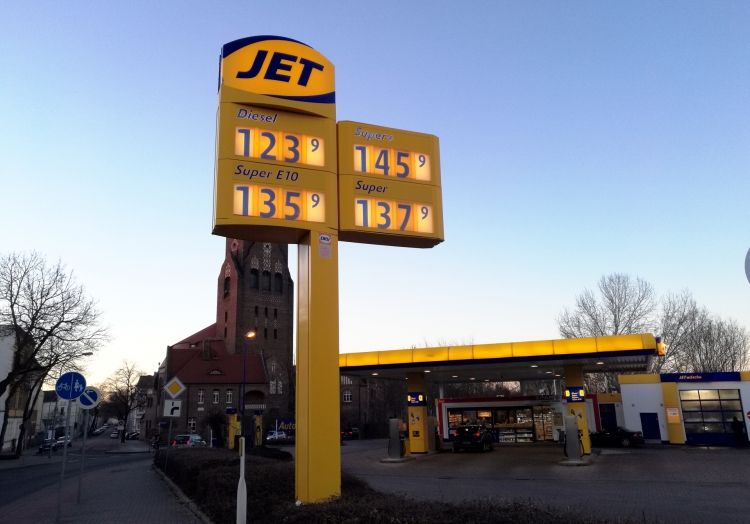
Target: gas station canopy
511 361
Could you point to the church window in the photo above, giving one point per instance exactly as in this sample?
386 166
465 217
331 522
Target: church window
278 285
347 395
225 332
226 316
266 312
253 279
266 283
226 287
265 332
275 313
256 311
278 387
275 334
272 387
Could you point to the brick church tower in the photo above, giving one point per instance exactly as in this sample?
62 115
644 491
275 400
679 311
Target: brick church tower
255 292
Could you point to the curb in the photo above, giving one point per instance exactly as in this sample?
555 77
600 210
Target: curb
192 506
124 452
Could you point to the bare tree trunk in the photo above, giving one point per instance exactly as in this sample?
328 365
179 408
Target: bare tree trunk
27 411
11 392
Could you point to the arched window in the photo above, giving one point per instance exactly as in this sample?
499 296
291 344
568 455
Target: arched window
347 395
266 282
226 287
278 283
253 279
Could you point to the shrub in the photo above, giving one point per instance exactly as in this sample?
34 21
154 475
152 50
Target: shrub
210 476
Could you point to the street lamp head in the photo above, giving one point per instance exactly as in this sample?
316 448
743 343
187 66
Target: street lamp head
250 334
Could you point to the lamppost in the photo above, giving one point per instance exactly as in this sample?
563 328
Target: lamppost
250 334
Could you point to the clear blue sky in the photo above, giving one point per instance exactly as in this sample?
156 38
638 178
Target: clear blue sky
577 139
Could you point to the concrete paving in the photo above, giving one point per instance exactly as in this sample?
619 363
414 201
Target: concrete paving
126 494
668 483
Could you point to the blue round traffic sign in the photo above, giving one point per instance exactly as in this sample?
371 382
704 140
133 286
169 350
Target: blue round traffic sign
70 385
90 398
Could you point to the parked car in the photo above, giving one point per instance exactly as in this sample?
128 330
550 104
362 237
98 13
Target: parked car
276 435
47 444
350 434
114 434
472 437
133 435
61 441
188 441
618 436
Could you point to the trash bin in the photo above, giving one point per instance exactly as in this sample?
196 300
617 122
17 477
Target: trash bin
214 443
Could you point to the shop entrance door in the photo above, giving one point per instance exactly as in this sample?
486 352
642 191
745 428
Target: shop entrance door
607 416
650 426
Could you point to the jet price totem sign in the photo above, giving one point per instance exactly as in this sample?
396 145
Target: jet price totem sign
285 172
275 176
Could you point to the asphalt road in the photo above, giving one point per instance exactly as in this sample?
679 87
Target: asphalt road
19 482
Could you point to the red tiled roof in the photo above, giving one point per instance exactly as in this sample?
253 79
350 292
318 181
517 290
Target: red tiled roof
188 365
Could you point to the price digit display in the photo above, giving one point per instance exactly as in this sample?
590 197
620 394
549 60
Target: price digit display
279 202
393 215
281 146
391 162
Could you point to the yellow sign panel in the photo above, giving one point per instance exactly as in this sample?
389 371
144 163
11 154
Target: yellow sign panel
275 173
280 72
247 132
271 203
389 186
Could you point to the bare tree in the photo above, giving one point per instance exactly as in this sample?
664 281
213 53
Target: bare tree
120 393
624 307
51 318
715 345
679 317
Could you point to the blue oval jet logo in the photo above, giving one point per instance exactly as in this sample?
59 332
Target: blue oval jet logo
279 67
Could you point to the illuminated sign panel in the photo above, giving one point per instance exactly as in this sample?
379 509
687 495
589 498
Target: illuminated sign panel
575 395
416 399
275 174
389 186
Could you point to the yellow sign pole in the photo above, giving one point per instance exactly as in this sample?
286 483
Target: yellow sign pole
318 460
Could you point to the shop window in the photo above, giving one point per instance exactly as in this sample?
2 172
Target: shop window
229 396
278 284
253 279
266 281
347 395
201 396
708 414
226 287
216 396
191 424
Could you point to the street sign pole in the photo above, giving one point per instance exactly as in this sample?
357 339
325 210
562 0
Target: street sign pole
83 451
169 445
65 458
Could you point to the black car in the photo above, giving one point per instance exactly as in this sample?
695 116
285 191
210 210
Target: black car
618 436
350 434
472 437
45 446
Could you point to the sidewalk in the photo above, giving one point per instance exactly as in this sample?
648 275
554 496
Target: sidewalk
30 457
127 494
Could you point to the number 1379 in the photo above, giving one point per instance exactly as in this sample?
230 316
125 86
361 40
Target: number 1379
393 215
